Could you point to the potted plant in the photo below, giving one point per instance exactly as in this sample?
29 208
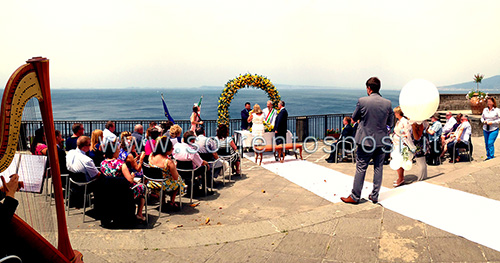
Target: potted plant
335 133
477 98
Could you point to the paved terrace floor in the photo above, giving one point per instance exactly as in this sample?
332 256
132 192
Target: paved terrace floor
262 217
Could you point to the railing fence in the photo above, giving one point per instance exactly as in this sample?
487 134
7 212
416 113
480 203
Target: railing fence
302 126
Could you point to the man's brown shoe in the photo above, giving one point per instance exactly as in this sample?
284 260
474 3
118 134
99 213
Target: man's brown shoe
348 200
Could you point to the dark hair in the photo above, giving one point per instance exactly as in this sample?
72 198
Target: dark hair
163 126
199 131
187 135
76 127
493 100
247 103
348 119
282 103
39 134
459 117
374 84
152 124
58 133
109 124
222 131
110 148
169 124
163 146
153 133
195 109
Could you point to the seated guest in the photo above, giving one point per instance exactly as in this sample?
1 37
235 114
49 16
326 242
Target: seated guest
449 127
129 155
160 158
78 131
165 126
96 153
9 245
78 162
186 152
347 131
109 133
207 149
175 134
227 146
152 124
450 136
112 166
38 147
61 153
152 134
461 138
436 129
434 132
206 145
9 205
137 134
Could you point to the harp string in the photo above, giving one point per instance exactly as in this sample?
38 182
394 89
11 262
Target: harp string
37 209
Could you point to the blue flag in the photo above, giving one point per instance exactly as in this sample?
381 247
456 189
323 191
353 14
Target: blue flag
165 109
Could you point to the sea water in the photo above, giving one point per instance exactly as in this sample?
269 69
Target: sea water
122 104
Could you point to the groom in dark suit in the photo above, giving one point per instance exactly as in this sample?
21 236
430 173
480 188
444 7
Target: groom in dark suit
280 127
375 114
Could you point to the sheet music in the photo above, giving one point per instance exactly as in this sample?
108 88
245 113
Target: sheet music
31 171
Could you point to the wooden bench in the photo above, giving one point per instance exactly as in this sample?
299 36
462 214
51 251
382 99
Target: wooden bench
278 150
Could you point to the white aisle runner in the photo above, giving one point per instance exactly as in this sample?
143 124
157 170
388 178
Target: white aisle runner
470 216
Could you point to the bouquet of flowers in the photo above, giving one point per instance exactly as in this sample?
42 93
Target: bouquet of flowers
268 127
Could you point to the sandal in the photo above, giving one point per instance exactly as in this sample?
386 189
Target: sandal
141 219
396 184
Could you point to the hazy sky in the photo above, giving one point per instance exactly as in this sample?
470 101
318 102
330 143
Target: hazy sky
161 44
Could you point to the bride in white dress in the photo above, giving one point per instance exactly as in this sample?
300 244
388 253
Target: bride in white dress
257 119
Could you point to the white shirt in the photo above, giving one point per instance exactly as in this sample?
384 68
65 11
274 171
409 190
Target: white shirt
493 116
449 125
108 136
184 152
265 112
465 133
78 162
205 144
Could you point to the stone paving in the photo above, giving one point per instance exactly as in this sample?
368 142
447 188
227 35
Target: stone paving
262 217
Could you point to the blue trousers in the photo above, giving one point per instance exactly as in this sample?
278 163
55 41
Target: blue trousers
489 142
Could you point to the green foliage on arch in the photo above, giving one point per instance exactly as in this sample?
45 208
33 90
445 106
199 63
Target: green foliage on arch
244 81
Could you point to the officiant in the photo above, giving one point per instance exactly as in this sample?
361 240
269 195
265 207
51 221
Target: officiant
270 113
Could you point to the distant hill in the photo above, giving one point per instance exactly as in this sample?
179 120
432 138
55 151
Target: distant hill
491 84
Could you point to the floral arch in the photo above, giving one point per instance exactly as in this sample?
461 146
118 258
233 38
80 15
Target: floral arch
244 81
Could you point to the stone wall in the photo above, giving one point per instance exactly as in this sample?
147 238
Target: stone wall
453 102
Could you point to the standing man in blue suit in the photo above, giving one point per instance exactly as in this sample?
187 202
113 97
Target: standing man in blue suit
375 114
245 113
281 127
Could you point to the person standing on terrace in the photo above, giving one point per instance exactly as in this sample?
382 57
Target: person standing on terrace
245 113
490 119
375 114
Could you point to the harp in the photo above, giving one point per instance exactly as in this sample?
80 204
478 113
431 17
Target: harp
31 80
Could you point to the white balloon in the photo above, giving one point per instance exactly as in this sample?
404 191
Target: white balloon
419 99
